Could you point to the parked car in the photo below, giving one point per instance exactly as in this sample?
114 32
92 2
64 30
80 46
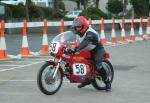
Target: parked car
73 14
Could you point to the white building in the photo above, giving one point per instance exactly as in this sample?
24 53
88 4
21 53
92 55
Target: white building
42 3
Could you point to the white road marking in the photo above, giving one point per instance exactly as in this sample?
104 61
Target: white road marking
67 81
115 45
17 80
24 61
10 65
3 70
17 93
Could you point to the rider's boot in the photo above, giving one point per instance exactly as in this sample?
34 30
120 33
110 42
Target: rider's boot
104 74
84 84
108 85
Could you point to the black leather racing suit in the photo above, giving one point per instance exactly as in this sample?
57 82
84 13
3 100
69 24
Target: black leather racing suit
91 41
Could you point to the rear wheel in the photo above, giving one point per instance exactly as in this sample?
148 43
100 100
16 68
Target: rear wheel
97 82
46 83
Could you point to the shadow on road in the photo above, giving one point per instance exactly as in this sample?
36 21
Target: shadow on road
123 67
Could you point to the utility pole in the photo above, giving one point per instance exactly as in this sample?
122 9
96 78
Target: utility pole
125 2
149 7
27 11
123 7
132 11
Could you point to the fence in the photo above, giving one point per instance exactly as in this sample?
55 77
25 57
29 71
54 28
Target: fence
25 52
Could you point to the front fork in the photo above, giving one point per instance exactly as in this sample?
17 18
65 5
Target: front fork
57 67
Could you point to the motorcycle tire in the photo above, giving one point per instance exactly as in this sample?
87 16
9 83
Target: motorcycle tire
40 80
95 82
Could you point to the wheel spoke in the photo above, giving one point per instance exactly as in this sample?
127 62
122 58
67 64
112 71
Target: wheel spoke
48 83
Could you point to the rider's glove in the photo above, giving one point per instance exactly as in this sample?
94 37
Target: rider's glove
72 51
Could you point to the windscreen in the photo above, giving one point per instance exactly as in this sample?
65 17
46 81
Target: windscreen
68 37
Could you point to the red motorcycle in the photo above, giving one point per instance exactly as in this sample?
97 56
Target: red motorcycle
77 68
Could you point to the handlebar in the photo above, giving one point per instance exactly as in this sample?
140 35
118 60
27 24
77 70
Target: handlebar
64 49
69 49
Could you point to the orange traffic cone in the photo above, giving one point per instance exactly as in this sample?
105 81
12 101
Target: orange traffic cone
123 37
140 28
148 27
132 37
113 34
103 40
62 26
44 49
25 52
90 22
3 50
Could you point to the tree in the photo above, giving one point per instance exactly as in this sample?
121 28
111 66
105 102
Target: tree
141 7
93 3
114 7
78 2
55 6
58 8
28 2
125 3
81 2
149 7
94 13
97 4
86 4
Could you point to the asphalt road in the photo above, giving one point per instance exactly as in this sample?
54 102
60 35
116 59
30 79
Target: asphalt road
131 82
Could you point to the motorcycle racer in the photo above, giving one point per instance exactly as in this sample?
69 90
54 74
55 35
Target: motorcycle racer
90 40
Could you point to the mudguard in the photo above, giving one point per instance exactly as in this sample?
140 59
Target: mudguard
55 63
52 61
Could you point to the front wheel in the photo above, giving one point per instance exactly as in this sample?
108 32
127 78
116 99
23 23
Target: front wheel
45 81
97 82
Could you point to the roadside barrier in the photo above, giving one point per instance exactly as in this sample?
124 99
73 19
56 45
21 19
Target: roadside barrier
62 26
90 22
3 50
132 37
113 33
45 48
123 36
25 52
148 27
103 39
147 36
140 28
